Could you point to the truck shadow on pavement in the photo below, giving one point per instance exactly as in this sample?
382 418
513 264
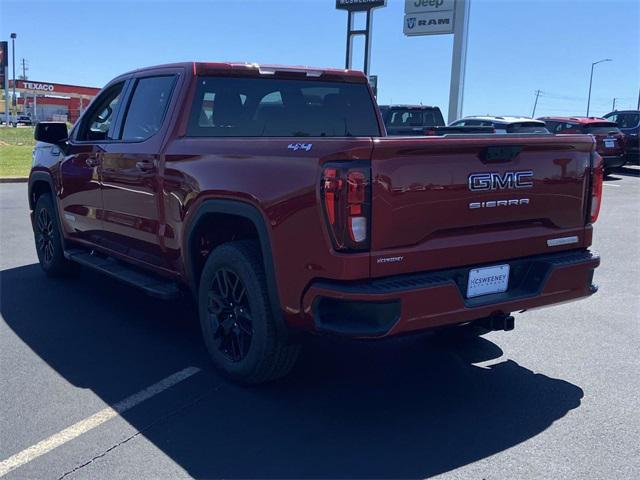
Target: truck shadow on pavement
411 407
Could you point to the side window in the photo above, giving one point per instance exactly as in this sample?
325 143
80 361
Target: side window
627 120
147 107
96 124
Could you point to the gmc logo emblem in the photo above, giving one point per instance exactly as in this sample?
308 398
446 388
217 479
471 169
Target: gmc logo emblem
484 182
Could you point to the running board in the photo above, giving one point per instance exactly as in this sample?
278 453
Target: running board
152 285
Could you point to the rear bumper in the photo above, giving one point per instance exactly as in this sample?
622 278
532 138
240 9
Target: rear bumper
406 303
614 161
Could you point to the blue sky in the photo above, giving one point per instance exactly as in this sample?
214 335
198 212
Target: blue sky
515 46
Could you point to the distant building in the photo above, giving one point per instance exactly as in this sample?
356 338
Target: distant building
45 101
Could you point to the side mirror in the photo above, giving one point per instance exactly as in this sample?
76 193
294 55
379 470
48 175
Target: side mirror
51 132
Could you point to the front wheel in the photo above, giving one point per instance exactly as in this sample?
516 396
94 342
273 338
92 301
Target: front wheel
237 321
48 240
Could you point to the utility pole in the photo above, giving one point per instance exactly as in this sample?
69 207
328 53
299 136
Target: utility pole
613 108
638 99
535 104
24 69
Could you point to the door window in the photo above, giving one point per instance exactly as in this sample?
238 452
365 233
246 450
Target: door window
627 120
97 124
147 107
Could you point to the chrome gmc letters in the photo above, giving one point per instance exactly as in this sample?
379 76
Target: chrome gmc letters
482 182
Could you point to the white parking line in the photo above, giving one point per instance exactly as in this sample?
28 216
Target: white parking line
83 426
610 185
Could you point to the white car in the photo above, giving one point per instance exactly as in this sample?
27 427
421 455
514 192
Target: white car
504 124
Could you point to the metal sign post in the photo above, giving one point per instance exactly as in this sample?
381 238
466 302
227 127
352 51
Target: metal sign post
442 17
352 6
459 59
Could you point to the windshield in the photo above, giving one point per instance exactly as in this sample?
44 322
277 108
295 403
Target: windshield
255 107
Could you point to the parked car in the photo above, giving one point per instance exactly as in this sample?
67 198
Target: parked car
609 139
410 119
274 199
628 122
504 124
15 120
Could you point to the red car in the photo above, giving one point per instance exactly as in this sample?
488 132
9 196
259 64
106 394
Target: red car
610 140
273 197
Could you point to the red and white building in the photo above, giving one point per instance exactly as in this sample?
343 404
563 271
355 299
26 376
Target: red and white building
44 101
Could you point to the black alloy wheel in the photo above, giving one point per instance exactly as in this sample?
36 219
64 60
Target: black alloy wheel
239 326
230 315
45 232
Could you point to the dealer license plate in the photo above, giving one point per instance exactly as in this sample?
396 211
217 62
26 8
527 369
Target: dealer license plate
483 281
609 143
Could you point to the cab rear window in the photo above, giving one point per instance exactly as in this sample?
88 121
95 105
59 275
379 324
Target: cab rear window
258 107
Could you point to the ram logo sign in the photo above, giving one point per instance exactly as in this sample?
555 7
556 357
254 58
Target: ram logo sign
484 182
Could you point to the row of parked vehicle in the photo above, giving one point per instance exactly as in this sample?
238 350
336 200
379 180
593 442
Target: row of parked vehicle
15 120
616 133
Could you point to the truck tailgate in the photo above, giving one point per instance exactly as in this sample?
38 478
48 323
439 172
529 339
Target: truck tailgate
446 202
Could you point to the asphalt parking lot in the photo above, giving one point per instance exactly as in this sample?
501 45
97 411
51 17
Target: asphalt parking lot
555 398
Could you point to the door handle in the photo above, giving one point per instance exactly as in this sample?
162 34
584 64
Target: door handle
145 165
92 161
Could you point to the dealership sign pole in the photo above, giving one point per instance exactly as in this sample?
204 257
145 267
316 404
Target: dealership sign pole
353 6
442 17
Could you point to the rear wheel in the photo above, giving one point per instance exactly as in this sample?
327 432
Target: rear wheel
48 240
236 318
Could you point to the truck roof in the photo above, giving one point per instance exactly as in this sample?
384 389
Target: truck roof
204 68
579 120
501 119
417 107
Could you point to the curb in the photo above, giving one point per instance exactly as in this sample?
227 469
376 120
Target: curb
14 180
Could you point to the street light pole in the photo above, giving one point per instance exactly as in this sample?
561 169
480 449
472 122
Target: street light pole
13 51
591 81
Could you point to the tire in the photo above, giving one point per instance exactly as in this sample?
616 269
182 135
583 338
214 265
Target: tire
236 318
48 240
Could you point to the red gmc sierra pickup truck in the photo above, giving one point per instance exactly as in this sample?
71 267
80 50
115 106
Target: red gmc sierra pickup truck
274 196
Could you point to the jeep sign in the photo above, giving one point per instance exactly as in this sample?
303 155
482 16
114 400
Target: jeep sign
424 6
428 17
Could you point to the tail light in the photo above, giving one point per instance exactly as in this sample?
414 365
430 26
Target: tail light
346 198
597 176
